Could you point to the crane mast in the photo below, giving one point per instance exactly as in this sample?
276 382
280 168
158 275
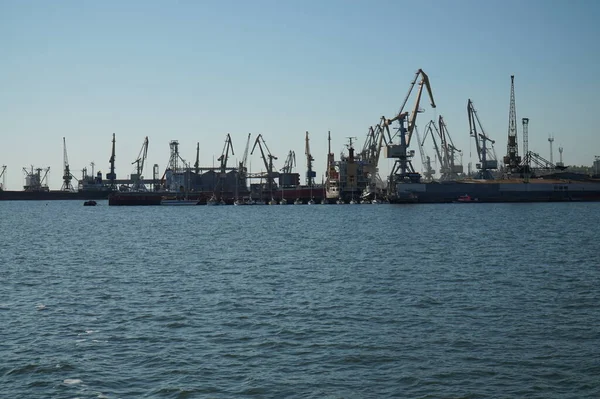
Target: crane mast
268 161
197 163
3 176
310 174
428 171
403 170
290 162
67 177
137 177
111 176
485 165
512 159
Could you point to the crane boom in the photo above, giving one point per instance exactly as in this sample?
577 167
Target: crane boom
267 159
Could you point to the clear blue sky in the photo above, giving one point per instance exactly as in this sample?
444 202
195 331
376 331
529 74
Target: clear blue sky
194 71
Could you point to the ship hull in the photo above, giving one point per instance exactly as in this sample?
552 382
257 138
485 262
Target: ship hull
53 195
496 192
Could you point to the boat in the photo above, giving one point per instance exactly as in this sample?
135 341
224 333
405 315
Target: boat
466 198
283 202
324 202
311 202
352 202
557 187
89 203
298 201
340 201
212 200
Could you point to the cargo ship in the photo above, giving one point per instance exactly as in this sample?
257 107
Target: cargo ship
552 188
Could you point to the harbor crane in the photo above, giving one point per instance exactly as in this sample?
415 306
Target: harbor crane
3 177
112 176
34 181
268 161
290 162
225 155
450 169
137 177
403 170
487 161
370 153
310 173
512 158
67 176
242 168
197 163
428 171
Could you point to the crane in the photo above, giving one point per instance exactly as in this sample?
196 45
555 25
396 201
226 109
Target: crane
481 140
67 177
450 169
242 169
267 159
429 130
197 163
137 177
290 162
111 176
403 171
428 171
310 174
225 154
3 176
512 158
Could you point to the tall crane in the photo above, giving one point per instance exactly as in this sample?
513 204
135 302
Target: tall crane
310 174
428 171
512 158
450 167
137 177
403 170
67 177
268 161
3 176
487 161
526 160
225 155
290 162
112 176
432 130
197 163
242 168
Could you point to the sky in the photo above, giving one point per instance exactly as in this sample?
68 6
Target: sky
194 71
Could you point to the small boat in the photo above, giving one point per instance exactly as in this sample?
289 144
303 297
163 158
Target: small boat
311 202
466 198
340 201
238 202
89 203
376 201
352 202
259 202
283 202
273 202
212 200
298 201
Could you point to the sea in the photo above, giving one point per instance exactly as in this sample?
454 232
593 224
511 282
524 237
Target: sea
300 301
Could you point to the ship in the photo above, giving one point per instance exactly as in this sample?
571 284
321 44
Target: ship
558 187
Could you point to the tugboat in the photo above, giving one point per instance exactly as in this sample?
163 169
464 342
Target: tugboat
466 198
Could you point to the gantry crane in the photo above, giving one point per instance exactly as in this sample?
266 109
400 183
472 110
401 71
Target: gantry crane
487 161
268 161
403 170
137 177
67 176
290 162
310 174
